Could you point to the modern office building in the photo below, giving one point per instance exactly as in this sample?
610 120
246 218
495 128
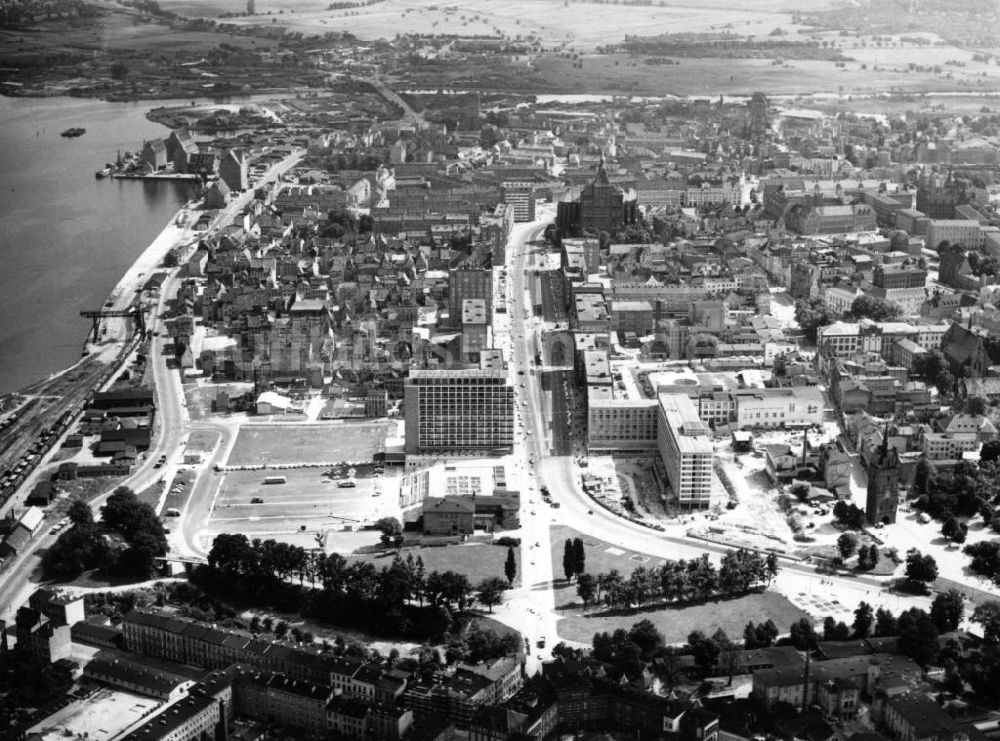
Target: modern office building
685 447
455 410
521 196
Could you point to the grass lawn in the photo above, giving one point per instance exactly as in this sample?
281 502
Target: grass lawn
730 614
600 558
676 623
308 443
478 561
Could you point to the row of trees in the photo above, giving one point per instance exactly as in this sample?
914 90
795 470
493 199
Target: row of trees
125 542
400 599
918 632
680 581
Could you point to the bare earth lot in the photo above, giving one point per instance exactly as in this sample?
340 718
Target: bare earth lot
278 444
478 561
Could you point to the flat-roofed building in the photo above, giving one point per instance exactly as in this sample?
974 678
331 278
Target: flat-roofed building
521 196
686 450
801 406
615 423
632 316
458 409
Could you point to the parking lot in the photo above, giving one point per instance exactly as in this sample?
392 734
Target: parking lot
308 498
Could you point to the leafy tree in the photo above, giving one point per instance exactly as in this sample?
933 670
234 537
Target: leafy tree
704 650
490 591
803 635
934 368
885 623
811 315
800 491
863 619
976 406
918 636
766 633
281 629
848 514
586 588
847 544
390 532
771 569
988 616
947 610
79 513
920 569
835 631
875 308
510 566
730 656
990 451
985 559
569 565
119 70
566 653
954 530
646 636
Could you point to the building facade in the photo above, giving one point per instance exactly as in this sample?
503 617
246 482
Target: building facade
461 409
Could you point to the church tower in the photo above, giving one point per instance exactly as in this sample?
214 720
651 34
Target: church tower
883 483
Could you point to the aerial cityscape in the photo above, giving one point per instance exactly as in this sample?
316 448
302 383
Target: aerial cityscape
387 370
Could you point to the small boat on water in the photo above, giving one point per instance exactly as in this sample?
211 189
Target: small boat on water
103 173
73 132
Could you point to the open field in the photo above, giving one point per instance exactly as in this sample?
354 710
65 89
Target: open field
552 21
117 31
478 561
276 444
676 623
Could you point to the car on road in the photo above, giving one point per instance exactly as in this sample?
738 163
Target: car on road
256 500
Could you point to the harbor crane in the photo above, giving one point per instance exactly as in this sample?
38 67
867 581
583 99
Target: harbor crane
133 312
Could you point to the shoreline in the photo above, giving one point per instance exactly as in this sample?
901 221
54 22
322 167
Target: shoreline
131 281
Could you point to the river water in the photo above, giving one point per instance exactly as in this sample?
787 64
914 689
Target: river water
65 237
